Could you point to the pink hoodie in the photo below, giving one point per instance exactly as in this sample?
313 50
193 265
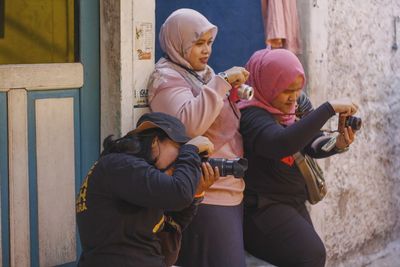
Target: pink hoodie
202 106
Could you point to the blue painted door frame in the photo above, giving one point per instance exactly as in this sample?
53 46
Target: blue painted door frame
33 190
240 29
89 39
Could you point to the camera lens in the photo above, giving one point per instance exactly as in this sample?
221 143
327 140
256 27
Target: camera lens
354 123
235 167
245 92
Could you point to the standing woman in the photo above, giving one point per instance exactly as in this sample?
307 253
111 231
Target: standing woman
183 85
277 226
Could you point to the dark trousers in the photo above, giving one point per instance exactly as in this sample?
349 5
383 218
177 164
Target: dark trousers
283 236
214 238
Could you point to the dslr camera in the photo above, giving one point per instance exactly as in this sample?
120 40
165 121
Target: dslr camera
235 167
346 121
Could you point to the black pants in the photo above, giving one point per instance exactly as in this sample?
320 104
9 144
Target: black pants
214 238
284 236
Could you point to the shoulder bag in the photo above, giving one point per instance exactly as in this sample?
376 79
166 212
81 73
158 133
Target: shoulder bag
313 176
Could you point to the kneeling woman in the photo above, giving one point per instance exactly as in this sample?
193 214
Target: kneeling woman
128 198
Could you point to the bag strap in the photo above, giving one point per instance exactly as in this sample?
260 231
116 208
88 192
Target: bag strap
312 175
300 162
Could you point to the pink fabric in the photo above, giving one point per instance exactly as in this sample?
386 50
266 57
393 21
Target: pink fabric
271 72
205 112
281 22
202 107
179 32
171 93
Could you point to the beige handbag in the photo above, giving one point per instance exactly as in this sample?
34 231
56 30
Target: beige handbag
313 176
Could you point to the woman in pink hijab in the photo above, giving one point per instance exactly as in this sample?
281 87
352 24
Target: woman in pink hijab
183 85
277 226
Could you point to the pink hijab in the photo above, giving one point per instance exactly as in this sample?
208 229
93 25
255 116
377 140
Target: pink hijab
271 72
180 31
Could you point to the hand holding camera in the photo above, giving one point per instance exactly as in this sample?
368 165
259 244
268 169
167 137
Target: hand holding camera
235 167
347 125
344 106
209 174
344 139
208 177
236 77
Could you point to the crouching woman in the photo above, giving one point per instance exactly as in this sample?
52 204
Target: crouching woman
130 195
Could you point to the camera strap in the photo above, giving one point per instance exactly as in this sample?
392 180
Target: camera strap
197 76
190 71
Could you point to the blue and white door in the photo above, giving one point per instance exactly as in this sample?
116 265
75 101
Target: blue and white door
49 125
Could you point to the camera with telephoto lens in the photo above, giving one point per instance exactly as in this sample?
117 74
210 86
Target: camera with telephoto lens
245 92
235 167
346 121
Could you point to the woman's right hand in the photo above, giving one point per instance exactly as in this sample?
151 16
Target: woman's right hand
237 76
208 177
203 144
344 106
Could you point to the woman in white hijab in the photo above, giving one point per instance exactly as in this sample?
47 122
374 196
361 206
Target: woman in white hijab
183 85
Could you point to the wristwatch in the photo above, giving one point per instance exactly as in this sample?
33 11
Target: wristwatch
224 76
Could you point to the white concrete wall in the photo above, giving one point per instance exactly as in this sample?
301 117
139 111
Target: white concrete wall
348 53
123 74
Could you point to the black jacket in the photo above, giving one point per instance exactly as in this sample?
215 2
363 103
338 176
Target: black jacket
269 146
121 206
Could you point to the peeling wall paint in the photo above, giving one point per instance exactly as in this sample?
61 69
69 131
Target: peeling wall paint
122 73
349 54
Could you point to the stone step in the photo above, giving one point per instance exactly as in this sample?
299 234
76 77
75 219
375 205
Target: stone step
252 261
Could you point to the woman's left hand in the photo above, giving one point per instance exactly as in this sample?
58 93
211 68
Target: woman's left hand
346 138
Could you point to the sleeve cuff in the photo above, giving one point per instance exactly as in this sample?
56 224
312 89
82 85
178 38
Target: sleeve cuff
330 108
190 147
219 85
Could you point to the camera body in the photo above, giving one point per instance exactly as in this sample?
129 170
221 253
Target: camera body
346 121
235 167
245 92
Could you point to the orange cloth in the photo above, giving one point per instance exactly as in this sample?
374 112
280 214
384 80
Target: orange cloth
281 22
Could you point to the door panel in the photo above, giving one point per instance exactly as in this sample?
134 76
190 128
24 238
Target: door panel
5 252
54 162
